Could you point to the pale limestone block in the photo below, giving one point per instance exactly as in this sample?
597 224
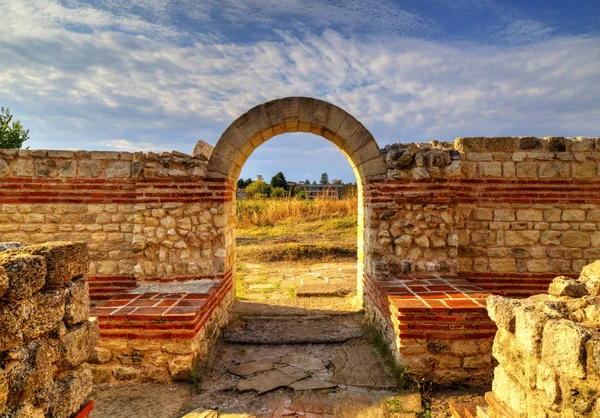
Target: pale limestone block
563 347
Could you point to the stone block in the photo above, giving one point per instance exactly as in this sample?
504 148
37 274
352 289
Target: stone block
503 265
89 169
565 286
30 374
482 214
180 367
78 344
535 215
41 313
563 347
529 326
502 311
64 260
10 332
576 239
540 265
22 168
590 276
504 215
501 144
527 170
511 393
552 215
547 382
584 171
77 302
490 169
26 274
521 238
118 169
70 392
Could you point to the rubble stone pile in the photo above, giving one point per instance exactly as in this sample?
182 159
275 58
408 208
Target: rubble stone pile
548 349
46 334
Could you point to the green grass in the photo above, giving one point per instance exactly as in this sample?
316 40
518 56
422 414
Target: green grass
400 373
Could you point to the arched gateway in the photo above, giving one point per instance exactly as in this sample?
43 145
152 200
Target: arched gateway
300 114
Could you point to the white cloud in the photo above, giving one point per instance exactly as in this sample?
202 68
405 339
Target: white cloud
151 89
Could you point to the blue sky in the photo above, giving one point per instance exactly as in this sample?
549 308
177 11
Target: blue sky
159 75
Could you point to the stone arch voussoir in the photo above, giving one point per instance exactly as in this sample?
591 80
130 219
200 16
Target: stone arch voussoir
296 114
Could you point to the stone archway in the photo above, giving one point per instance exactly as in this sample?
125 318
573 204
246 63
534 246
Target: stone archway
299 114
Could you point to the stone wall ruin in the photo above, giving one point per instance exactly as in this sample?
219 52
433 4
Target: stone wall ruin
548 350
441 226
46 334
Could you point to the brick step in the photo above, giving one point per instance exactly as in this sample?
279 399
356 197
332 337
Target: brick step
465 409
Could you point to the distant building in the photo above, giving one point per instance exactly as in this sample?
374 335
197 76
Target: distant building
334 191
259 177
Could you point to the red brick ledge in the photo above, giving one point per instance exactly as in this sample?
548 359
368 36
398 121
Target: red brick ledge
159 315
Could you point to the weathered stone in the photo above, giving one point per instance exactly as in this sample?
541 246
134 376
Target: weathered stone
30 374
563 347
590 276
564 286
529 325
64 260
360 366
576 239
253 367
100 355
180 367
202 150
3 390
77 302
70 392
78 344
9 245
118 169
10 332
26 274
303 362
89 169
312 383
42 313
273 379
547 381
511 393
28 411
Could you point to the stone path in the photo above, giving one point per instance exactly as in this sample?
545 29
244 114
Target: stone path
283 355
283 281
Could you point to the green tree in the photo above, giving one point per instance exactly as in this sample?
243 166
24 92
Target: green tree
248 182
277 192
11 136
258 187
324 178
302 195
241 183
307 181
279 180
315 182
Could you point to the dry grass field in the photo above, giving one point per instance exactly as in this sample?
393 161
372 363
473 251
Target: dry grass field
271 230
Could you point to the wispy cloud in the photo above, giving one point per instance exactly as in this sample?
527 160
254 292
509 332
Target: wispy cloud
81 75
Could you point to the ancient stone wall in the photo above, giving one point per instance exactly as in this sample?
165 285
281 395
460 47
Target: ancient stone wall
441 225
46 334
548 350
145 216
